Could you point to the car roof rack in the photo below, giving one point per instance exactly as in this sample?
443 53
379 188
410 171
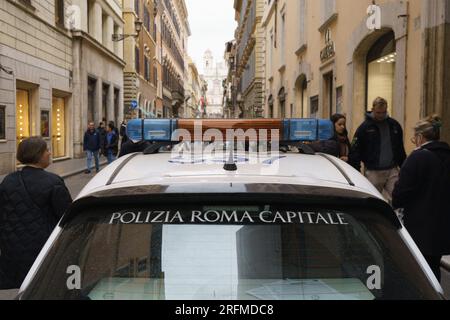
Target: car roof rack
340 169
119 168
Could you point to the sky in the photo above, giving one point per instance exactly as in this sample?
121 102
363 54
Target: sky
212 25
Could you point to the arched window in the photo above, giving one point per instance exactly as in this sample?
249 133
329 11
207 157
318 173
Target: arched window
301 95
381 60
154 108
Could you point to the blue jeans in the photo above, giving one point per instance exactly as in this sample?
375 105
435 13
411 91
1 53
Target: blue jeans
91 154
110 156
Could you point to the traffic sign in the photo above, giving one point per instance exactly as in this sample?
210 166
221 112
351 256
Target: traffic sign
134 104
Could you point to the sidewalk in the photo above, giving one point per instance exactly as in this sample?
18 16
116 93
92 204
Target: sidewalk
69 167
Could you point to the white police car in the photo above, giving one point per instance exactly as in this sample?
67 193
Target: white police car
230 226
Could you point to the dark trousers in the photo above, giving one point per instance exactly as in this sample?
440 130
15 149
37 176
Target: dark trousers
435 265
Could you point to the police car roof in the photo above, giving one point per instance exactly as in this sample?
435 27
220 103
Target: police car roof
162 169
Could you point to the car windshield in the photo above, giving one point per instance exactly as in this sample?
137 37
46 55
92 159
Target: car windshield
229 252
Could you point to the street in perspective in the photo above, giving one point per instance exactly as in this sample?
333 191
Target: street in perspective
247 150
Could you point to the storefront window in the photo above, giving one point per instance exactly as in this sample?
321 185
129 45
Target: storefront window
381 61
45 124
328 95
58 128
92 83
116 106
105 103
23 115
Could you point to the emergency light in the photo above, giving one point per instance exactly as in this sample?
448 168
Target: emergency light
290 130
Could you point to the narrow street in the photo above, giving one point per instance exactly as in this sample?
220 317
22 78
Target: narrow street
76 183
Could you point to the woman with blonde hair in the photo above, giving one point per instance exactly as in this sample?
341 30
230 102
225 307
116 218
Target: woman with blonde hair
423 191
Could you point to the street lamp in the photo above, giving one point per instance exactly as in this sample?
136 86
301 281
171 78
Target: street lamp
137 27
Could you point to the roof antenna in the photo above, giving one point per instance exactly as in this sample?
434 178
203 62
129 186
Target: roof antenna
230 165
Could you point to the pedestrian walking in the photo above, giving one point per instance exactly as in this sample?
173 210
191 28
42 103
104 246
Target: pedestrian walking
378 143
423 191
32 201
111 143
102 131
113 124
341 136
92 145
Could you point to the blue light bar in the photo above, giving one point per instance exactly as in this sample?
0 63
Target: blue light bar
294 130
325 130
134 129
307 130
158 130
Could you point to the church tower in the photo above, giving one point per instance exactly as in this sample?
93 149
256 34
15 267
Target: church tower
208 62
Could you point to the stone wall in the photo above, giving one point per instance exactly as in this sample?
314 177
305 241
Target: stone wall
40 56
34 33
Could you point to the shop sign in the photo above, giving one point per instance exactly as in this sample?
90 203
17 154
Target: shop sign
329 51
374 17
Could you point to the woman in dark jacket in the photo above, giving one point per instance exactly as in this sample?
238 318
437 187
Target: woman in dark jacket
423 190
31 203
341 136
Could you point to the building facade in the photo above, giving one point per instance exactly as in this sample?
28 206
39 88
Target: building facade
175 31
142 73
35 69
214 74
36 84
341 57
97 67
59 70
250 57
193 91
229 94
